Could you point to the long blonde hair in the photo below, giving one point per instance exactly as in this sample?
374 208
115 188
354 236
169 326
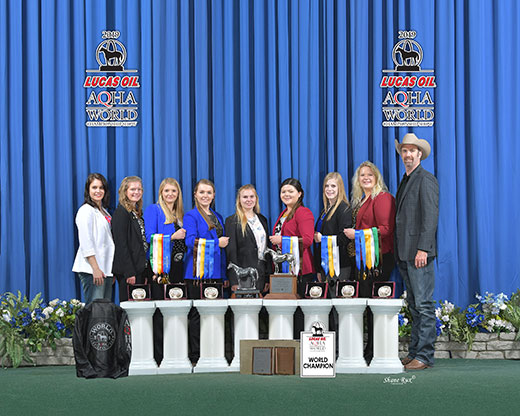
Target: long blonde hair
342 195
123 198
357 191
240 211
175 215
201 211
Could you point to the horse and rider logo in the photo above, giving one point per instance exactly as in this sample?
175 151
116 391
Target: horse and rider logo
407 55
111 55
102 336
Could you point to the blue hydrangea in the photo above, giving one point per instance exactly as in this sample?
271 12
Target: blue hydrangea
438 326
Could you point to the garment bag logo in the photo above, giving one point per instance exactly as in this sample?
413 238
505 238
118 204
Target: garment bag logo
111 98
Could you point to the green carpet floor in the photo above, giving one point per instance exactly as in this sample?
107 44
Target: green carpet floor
453 387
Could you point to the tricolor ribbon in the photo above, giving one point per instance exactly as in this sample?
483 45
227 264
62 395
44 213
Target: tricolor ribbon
205 258
160 253
367 249
290 245
330 255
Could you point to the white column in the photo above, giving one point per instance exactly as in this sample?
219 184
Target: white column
212 358
281 314
175 334
315 310
246 324
386 336
140 316
350 337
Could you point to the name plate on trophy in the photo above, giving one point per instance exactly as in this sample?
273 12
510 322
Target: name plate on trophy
282 286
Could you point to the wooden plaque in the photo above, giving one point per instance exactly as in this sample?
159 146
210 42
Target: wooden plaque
284 360
282 286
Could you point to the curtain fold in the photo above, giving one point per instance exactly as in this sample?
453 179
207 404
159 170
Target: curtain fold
254 92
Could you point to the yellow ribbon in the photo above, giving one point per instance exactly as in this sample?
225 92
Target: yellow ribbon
368 246
202 249
331 257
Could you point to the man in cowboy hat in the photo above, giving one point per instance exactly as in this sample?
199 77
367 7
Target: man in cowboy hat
417 202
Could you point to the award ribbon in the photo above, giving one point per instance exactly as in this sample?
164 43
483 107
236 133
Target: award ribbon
290 245
375 233
330 255
205 258
160 253
369 248
358 242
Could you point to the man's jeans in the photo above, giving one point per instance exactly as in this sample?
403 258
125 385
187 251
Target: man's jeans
419 295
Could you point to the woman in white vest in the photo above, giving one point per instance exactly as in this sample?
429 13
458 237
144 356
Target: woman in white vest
95 254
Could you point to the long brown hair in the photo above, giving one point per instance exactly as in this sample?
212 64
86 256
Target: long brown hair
106 198
123 199
342 195
175 215
298 186
201 211
239 211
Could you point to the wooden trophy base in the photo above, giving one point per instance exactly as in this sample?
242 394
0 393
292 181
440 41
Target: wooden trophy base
282 286
246 294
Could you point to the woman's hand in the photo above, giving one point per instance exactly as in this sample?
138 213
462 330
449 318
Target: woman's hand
130 280
223 242
180 234
317 237
350 233
234 288
98 277
275 240
226 282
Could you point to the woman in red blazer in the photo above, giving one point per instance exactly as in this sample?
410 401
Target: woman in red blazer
296 221
373 206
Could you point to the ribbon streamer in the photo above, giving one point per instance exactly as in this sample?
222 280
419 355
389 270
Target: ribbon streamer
291 245
330 255
160 253
205 258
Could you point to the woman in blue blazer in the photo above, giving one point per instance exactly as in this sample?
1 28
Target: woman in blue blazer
203 222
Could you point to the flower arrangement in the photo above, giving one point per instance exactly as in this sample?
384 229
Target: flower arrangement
26 325
493 313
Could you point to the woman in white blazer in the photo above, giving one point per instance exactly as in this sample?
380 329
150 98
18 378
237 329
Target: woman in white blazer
95 254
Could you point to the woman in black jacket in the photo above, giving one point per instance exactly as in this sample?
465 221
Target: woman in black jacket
335 217
130 265
247 230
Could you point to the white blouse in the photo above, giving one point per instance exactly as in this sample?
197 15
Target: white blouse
259 233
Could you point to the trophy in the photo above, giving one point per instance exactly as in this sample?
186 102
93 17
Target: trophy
383 290
283 285
247 280
139 292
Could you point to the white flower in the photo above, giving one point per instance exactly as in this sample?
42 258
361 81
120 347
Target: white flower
60 313
47 311
64 303
6 316
75 302
54 302
445 318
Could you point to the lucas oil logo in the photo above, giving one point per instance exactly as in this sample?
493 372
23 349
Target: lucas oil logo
111 97
408 98
102 336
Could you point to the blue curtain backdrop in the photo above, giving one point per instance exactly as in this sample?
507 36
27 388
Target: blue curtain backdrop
257 91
